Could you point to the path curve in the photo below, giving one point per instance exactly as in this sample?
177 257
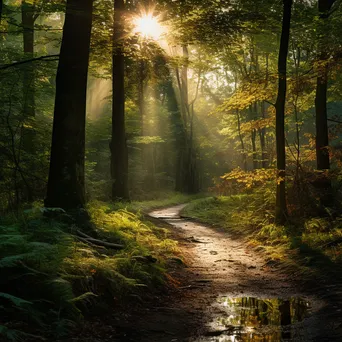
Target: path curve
220 269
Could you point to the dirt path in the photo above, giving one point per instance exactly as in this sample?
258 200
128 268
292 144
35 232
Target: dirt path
228 292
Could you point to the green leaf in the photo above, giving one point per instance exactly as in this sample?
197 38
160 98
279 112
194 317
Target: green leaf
15 300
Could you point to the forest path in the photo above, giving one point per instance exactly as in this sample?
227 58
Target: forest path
224 290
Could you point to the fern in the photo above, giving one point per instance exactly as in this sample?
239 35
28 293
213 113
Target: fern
53 278
15 300
83 297
10 334
13 260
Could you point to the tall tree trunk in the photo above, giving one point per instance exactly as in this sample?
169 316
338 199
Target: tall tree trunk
119 159
242 144
28 18
297 62
192 183
185 89
322 139
141 91
1 9
322 131
189 157
66 175
252 116
147 150
177 125
243 151
262 135
254 149
179 134
281 210
263 139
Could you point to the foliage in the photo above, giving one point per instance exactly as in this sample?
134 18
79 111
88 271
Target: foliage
50 278
240 181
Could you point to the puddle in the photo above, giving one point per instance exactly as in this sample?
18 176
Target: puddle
250 319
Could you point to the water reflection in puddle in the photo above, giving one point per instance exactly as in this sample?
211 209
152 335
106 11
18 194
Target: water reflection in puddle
250 319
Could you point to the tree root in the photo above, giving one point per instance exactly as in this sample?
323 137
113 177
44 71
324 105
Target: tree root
91 241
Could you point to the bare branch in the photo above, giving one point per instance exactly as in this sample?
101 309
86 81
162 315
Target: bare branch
49 58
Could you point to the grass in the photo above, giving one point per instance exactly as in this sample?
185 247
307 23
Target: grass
50 278
306 245
160 200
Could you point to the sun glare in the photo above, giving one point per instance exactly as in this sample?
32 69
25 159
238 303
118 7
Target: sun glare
148 26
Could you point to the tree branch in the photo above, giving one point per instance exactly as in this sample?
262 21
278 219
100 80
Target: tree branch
336 121
53 58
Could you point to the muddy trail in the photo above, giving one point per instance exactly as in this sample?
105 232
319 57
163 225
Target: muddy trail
226 292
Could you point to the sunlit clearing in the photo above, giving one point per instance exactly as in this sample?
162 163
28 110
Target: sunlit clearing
148 26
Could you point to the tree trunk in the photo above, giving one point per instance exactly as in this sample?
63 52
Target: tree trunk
189 157
28 18
262 134
119 159
66 175
322 139
252 116
184 89
179 134
255 156
192 184
147 150
263 139
243 151
141 90
242 144
322 131
281 210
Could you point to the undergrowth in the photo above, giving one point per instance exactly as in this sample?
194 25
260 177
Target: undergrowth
160 200
50 278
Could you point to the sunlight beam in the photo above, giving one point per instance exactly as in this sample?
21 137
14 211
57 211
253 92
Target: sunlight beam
148 26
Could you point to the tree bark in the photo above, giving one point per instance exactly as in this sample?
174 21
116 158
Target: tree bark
322 133
66 175
262 135
281 210
1 9
119 158
322 139
189 157
253 115
192 177
243 151
28 18
179 135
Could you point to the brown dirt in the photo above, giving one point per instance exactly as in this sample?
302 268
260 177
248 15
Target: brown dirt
219 265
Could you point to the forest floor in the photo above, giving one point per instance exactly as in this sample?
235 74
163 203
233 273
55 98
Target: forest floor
226 291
